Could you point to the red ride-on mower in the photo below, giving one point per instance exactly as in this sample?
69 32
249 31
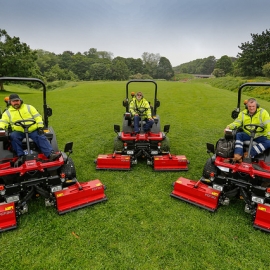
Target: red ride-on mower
153 146
38 176
224 180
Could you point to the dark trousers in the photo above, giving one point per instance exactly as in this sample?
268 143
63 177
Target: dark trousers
148 125
41 141
262 144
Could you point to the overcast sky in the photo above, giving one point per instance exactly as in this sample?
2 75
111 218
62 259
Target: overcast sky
180 30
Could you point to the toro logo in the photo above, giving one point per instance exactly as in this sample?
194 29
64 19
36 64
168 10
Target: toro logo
210 196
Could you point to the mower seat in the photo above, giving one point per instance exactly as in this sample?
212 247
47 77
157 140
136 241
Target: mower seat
33 145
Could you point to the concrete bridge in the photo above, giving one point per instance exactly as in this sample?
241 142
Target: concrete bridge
203 76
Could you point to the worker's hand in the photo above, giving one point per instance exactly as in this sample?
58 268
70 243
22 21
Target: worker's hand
40 131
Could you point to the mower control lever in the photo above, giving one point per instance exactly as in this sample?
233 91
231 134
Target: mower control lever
252 128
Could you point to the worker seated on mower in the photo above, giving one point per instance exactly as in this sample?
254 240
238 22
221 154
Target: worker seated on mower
22 119
141 111
254 123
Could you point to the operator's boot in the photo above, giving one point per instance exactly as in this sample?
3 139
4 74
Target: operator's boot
19 161
237 158
54 156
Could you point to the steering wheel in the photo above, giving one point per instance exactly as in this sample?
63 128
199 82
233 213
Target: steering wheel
141 110
23 123
253 128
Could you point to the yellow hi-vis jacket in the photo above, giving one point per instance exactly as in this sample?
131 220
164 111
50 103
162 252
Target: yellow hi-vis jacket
261 117
143 103
25 112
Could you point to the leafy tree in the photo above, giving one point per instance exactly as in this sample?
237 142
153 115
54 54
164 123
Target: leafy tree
98 71
225 63
217 72
66 59
198 66
134 65
164 69
80 65
46 60
105 55
150 62
56 73
266 70
207 65
119 69
16 58
254 54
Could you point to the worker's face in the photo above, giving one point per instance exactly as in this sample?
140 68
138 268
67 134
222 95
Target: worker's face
16 104
139 96
252 107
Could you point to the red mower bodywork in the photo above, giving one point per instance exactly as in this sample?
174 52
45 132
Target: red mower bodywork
38 176
152 146
224 179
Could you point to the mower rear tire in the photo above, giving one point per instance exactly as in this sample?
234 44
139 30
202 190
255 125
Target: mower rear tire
209 167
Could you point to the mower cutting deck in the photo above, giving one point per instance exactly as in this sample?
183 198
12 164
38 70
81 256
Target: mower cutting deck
225 179
36 175
152 146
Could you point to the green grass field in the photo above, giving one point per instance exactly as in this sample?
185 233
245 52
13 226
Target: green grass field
140 226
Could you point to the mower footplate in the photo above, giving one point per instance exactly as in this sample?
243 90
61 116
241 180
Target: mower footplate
113 162
170 163
7 216
196 193
262 218
79 195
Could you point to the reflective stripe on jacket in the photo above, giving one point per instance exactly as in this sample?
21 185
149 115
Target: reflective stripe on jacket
143 103
25 112
261 117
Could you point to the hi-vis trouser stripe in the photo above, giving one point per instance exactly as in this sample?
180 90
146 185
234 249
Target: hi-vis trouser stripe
238 144
259 148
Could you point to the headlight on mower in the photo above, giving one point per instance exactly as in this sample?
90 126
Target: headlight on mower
217 187
257 199
154 152
13 198
130 152
56 188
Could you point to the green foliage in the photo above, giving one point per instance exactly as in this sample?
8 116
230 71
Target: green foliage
164 69
16 58
254 54
198 66
266 70
217 72
225 64
140 226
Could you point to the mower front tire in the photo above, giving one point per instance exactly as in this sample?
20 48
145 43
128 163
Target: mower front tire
118 144
165 145
69 169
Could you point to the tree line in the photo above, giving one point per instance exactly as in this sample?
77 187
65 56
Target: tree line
18 59
252 61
